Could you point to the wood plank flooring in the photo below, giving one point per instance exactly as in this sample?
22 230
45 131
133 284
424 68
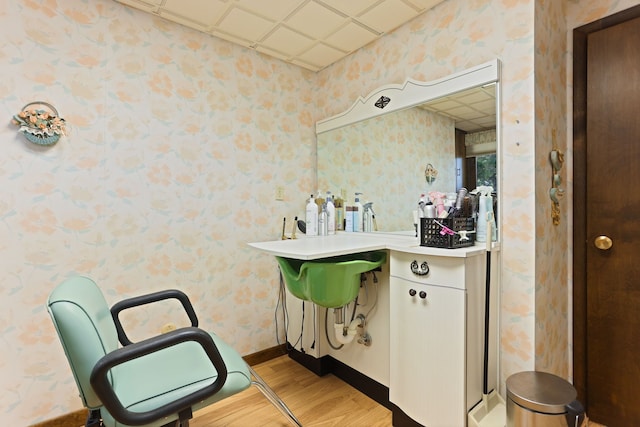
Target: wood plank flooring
316 401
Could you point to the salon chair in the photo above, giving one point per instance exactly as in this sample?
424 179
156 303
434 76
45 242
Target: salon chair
159 381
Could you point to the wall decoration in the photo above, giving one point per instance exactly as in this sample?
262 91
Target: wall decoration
430 173
41 126
556 157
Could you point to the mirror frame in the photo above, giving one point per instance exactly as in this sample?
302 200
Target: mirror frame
395 97
412 93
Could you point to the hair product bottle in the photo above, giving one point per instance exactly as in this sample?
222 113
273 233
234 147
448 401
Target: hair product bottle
312 217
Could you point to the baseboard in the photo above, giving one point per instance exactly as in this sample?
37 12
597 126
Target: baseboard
265 355
320 367
359 381
78 418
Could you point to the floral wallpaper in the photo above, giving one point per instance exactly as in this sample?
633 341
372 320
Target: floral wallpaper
385 159
177 141
552 295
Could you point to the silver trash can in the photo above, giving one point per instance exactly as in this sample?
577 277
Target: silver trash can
539 399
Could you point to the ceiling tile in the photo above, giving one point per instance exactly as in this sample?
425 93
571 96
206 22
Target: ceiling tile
321 55
465 113
315 20
388 15
285 29
351 7
206 12
275 10
287 41
245 25
351 37
483 105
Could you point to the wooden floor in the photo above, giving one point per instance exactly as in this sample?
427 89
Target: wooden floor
316 401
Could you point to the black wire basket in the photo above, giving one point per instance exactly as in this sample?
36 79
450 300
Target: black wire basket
448 233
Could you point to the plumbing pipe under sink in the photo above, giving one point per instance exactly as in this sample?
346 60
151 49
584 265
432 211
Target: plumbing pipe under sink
344 335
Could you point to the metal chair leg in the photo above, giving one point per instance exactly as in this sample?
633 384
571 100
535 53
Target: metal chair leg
273 398
94 419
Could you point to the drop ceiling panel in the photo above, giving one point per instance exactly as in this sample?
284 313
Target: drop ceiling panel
288 41
351 37
351 7
321 54
276 10
245 25
315 20
204 12
309 33
388 15
472 110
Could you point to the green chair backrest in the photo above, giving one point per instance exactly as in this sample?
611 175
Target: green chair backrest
86 329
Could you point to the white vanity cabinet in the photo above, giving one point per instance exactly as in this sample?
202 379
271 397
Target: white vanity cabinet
426 360
436 336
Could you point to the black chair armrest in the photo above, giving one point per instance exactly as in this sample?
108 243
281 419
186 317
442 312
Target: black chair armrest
102 386
147 299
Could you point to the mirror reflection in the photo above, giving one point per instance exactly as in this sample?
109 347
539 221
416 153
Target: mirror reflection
437 146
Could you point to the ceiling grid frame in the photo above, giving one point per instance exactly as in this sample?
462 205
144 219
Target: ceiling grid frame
351 24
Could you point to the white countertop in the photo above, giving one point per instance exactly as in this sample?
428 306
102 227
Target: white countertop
343 243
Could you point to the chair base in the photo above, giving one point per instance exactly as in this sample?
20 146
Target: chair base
273 398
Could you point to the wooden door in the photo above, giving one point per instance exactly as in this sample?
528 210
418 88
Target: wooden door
607 280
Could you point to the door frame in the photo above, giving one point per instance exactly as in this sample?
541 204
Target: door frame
580 36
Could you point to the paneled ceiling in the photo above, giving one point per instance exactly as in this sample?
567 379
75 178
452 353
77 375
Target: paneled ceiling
473 110
312 34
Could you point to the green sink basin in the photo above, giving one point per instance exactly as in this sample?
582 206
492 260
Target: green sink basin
329 282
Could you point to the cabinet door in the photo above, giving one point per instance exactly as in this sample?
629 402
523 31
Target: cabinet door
427 337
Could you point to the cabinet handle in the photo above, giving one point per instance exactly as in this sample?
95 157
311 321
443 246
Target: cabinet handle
412 292
423 294
422 270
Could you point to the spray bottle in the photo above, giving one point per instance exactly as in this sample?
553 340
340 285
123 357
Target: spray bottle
438 200
485 214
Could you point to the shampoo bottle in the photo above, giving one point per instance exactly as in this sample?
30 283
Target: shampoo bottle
312 217
348 218
331 214
357 213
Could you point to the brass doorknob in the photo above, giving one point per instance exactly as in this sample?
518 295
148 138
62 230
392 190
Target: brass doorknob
603 243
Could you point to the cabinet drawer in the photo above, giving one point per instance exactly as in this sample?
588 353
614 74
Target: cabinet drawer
438 270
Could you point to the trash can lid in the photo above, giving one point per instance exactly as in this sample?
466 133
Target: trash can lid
540 392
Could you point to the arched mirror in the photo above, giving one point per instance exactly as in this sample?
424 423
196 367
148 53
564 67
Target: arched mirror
401 141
